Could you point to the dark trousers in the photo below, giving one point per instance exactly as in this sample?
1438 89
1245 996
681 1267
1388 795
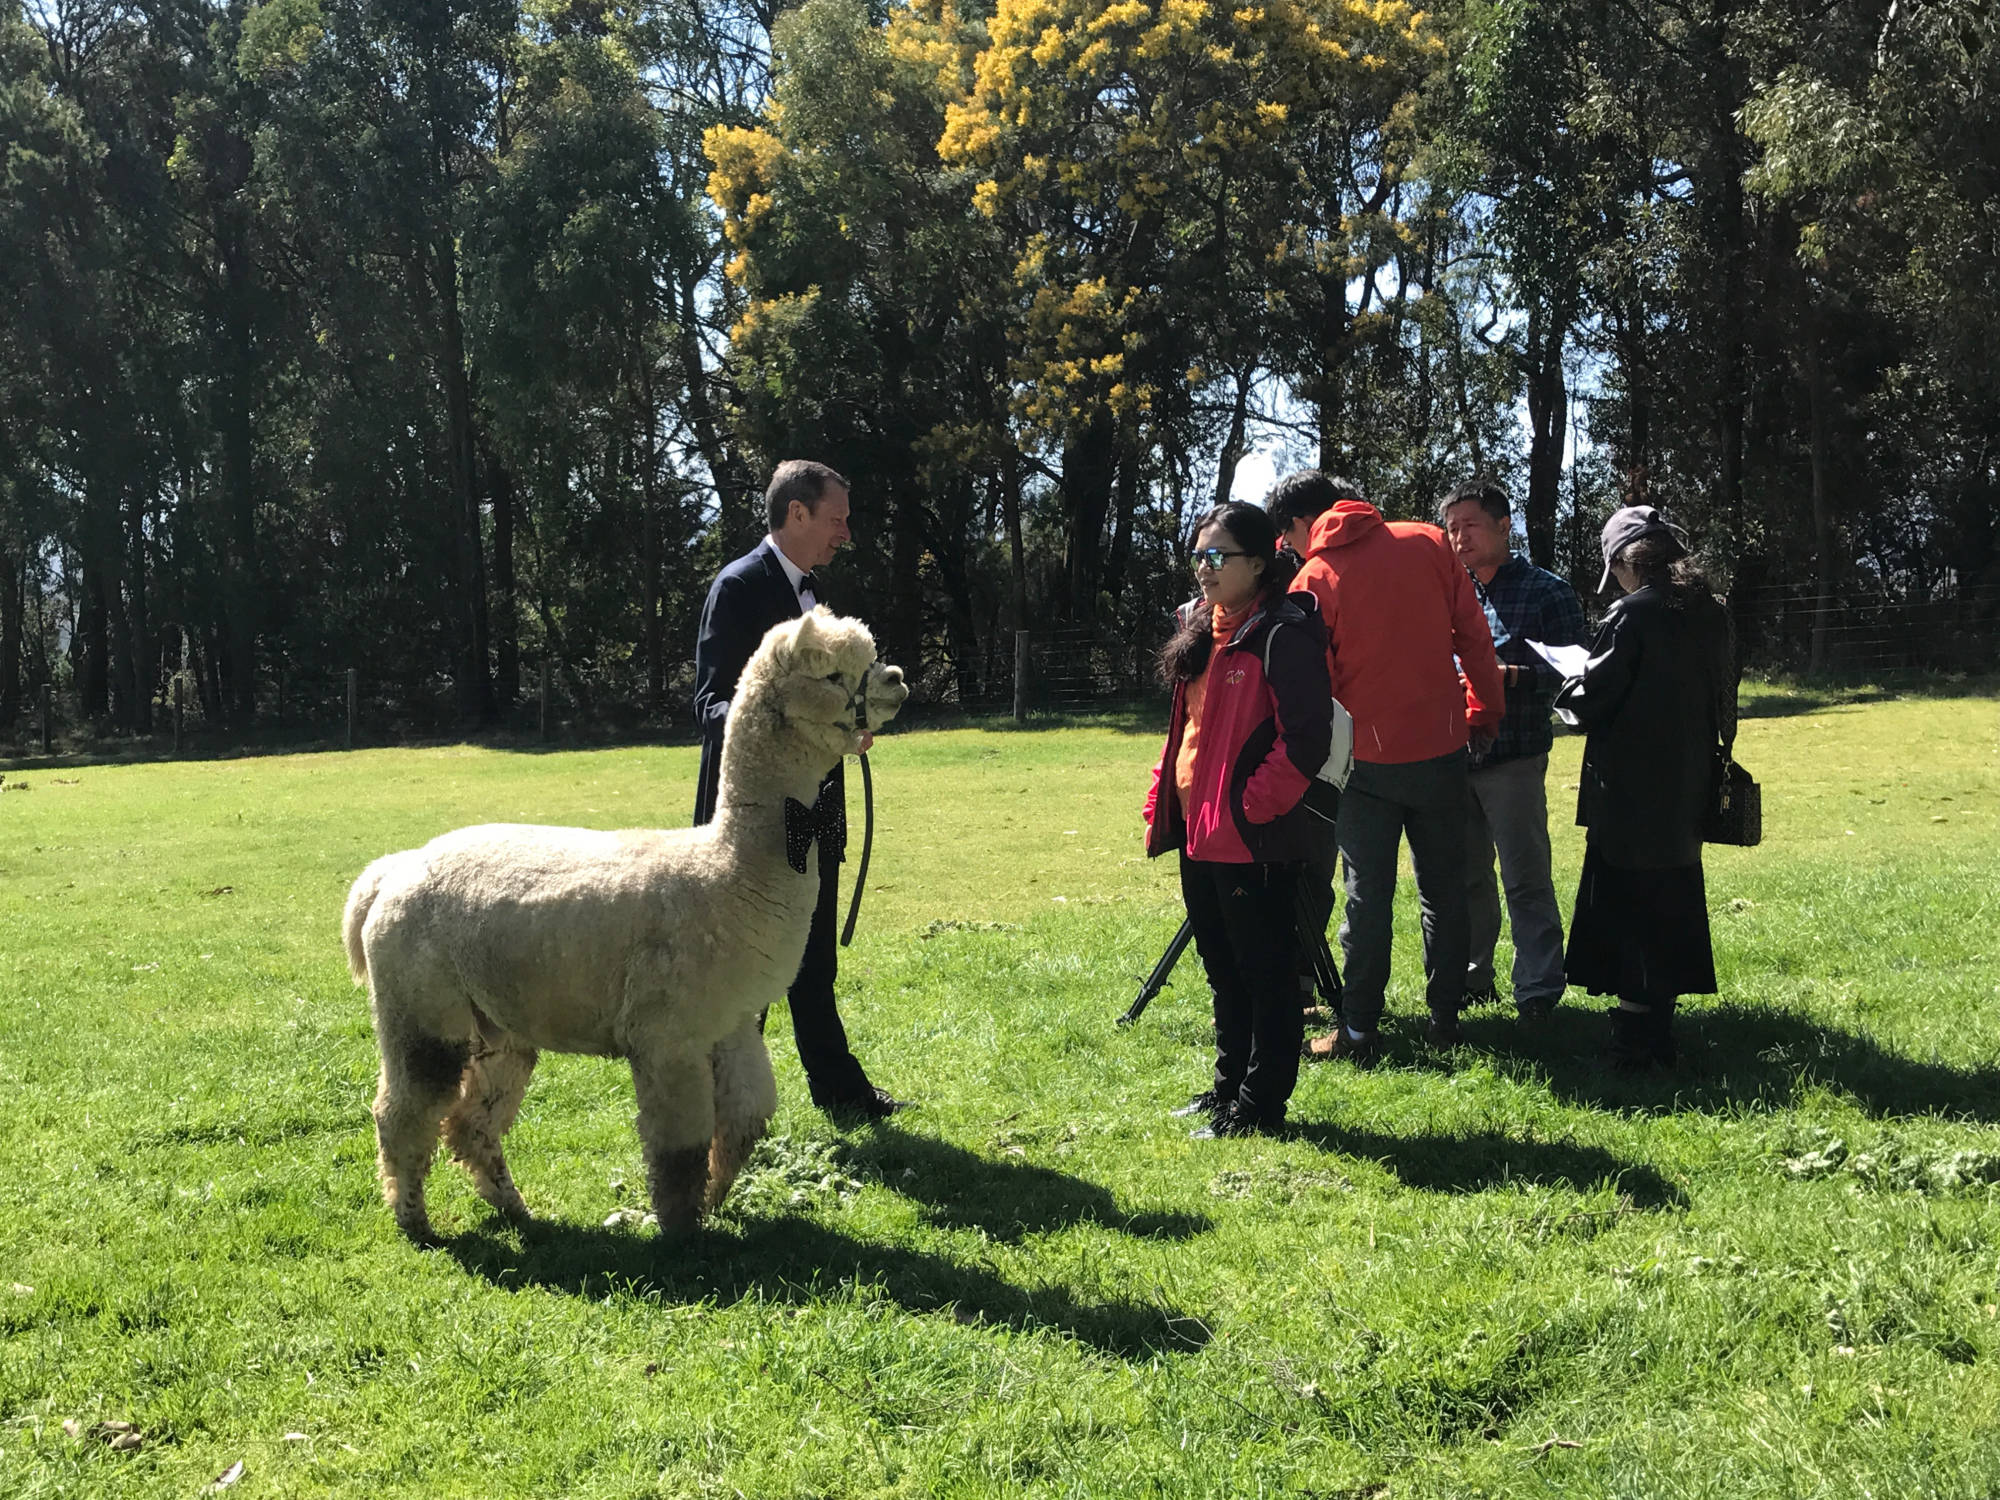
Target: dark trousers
1425 799
833 1074
1246 931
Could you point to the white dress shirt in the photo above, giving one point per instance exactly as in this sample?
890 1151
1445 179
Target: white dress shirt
794 573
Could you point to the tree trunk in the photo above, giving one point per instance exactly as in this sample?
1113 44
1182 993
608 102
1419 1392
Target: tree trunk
1090 457
1130 457
241 601
138 615
1328 384
652 634
1548 422
93 637
1010 504
1232 445
1727 158
1463 398
13 593
475 681
1822 514
506 603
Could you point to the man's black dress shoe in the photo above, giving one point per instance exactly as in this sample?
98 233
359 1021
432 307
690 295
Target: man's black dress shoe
875 1104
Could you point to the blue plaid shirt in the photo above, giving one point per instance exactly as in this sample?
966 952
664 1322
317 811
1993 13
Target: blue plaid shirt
1526 603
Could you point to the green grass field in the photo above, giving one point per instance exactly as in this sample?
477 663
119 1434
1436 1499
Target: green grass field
1485 1272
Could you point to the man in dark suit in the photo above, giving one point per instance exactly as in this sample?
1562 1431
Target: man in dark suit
807 506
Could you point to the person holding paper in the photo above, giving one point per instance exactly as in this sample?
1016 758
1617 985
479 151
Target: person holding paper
1536 620
1658 701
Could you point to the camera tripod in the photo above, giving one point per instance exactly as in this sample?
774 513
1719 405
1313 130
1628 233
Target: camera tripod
1326 974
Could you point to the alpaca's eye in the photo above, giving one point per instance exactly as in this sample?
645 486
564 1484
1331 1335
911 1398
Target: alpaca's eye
834 677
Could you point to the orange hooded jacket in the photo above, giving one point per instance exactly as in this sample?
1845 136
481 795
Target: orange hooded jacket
1398 606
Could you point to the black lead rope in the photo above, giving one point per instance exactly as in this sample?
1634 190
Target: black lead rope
867 815
867 846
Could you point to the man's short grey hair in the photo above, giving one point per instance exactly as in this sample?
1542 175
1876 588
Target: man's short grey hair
1484 492
797 479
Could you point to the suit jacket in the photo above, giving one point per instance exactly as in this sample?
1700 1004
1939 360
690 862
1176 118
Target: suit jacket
747 598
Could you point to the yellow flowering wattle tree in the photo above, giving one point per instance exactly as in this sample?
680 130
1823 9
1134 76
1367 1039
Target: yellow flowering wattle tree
1187 190
866 336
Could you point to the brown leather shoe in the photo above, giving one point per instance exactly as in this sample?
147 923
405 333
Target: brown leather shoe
1338 1046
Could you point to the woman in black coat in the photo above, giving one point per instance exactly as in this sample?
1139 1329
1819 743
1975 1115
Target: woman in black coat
1658 698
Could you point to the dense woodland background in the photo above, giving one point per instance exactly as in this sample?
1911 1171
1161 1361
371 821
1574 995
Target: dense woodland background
444 340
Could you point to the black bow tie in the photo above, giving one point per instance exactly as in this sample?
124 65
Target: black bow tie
806 585
825 820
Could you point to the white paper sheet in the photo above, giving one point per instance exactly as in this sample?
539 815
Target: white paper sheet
1568 660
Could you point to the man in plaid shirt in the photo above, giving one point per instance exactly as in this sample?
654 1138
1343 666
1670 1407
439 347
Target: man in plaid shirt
1509 809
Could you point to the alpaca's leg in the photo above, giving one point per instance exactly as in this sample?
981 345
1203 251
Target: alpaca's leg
488 1100
676 1095
746 1096
420 1079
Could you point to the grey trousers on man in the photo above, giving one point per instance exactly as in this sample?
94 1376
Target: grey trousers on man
1425 799
1509 812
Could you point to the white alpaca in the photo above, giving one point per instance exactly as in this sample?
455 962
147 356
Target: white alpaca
663 947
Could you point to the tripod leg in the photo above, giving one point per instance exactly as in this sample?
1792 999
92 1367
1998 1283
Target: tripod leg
1162 972
1326 974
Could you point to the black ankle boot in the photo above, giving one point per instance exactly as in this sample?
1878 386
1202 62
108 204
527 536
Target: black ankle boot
1632 1045
1661 1033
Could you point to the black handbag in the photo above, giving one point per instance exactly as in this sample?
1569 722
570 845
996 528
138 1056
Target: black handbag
1735 806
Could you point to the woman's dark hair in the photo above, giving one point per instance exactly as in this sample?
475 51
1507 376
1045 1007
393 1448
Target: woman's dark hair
1185 657
1663 563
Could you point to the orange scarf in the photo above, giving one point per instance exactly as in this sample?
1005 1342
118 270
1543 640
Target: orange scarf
1221 627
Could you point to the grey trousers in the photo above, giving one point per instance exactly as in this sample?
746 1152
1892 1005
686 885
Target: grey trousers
1509 813
1425 799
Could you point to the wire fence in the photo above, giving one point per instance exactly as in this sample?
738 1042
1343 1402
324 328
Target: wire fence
1781 629
1792 629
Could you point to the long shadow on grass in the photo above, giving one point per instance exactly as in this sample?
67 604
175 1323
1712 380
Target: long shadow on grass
1004 1199
798 1261
1797 705
1473 1161
1732 1055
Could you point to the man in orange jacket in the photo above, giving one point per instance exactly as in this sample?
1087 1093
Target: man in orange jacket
1412 660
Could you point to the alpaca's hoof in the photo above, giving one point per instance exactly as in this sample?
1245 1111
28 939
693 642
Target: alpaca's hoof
678 1220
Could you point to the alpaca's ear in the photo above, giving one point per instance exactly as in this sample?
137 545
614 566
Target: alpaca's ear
812 644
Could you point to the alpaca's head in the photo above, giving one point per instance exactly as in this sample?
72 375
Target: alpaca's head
814 687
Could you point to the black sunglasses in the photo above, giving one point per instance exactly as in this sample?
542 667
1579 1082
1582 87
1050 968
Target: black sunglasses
1213 556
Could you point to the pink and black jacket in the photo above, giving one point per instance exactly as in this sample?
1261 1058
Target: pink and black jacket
1263 741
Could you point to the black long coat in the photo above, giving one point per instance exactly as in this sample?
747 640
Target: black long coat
1658 699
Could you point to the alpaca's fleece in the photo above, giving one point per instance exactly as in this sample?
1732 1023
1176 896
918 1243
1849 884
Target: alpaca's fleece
491 944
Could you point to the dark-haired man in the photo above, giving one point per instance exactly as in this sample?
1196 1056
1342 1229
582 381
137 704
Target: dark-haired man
1401 621
1509 809
807 506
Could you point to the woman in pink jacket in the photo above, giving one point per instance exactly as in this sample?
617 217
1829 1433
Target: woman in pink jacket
1249 730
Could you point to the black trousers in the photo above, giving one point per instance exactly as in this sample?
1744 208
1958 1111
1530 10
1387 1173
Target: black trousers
1245 920
833 1074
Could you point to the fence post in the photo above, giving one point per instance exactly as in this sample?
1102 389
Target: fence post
48 715
543 724
1020 677
353 697
180 685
